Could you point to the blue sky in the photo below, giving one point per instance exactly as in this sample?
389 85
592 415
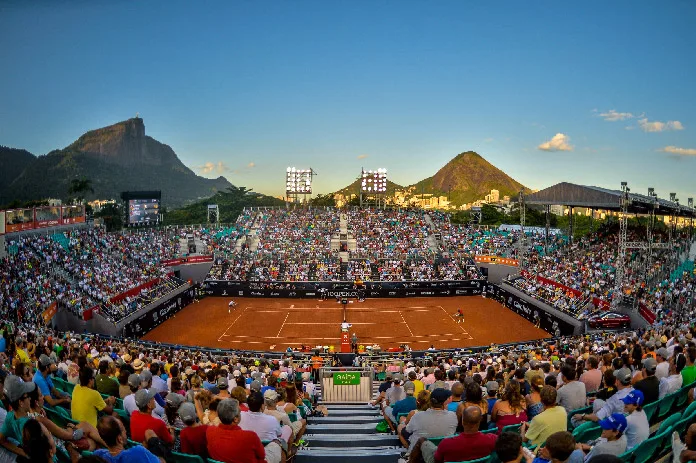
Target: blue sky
244 89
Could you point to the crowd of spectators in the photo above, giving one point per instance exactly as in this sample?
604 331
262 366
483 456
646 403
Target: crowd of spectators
388 234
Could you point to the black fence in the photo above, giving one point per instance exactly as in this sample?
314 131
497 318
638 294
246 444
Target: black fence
342 289
535 314
158 314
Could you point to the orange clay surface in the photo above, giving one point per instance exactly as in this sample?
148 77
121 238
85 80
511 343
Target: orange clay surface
276 324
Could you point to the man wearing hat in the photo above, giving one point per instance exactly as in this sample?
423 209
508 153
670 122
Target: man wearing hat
192 437
141 420
662 357
649 385
614 404
16 392
638 428
42 379
613 441
435 421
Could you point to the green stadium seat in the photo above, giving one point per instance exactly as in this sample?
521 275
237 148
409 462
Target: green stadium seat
690 410
59 418
681 425
177 457
669 422
665 405
583 410
131 443
399 415
650 410
586 432
480 460
293 417
307 403
512 428
682 396
645 452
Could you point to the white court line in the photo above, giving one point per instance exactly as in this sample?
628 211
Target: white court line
235 321
409 328
459 325
331 323
283 325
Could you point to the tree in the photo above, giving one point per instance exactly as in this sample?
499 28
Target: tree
323 200
80 186
112 216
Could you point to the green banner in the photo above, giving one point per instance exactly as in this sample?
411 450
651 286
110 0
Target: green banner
346 378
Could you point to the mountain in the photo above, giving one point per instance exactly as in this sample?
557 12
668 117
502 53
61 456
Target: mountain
116 158
354 188
12 162
468 177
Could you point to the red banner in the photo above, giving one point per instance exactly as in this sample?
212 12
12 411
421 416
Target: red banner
134 291
187 260
89 313
646 313
49 313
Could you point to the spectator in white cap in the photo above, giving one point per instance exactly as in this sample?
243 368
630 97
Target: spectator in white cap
142 420
614 404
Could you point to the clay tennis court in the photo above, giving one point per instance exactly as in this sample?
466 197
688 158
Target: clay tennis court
276 324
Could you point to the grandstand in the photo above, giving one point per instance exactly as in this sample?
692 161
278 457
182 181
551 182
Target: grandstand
275 262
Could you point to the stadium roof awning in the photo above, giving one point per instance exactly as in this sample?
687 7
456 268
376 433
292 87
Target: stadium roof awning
594 197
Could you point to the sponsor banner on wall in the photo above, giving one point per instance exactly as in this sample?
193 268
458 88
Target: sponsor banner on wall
497 260
301 290
48 216
19 220
187 260
159 314
535 314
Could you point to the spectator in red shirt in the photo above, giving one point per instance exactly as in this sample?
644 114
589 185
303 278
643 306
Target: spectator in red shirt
192 437
228 443
142 419
469 445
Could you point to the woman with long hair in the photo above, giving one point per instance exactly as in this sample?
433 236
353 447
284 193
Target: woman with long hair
473 397
512 409
37 442
534 405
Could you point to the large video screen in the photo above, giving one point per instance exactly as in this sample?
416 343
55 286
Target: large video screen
143 211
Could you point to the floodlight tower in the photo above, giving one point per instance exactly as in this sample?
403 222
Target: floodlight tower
522 241
298 182
624 202
373 187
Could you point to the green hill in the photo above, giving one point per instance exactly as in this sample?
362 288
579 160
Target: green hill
469 177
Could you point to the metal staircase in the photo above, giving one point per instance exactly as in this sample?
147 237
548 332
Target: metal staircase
348 434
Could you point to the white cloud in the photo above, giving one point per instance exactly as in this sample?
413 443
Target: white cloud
251 165
212 167
657 126
679 151
612 116
488 140
559 142
362 156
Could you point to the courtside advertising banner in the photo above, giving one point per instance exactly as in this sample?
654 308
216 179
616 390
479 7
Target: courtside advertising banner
19 219
48 216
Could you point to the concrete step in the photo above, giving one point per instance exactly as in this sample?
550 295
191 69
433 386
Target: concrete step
342 428
346 419
347 406
350 412
352 440
342 455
